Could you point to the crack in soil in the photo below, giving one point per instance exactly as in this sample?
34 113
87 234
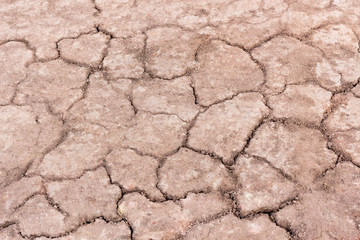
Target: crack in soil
148 74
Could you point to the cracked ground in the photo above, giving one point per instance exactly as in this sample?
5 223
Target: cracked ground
159 119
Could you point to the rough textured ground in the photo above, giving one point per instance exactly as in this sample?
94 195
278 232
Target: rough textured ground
159 119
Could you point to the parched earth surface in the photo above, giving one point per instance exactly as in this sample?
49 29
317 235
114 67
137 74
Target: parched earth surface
159 119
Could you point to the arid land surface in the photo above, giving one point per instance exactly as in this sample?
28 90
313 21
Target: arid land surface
191 119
